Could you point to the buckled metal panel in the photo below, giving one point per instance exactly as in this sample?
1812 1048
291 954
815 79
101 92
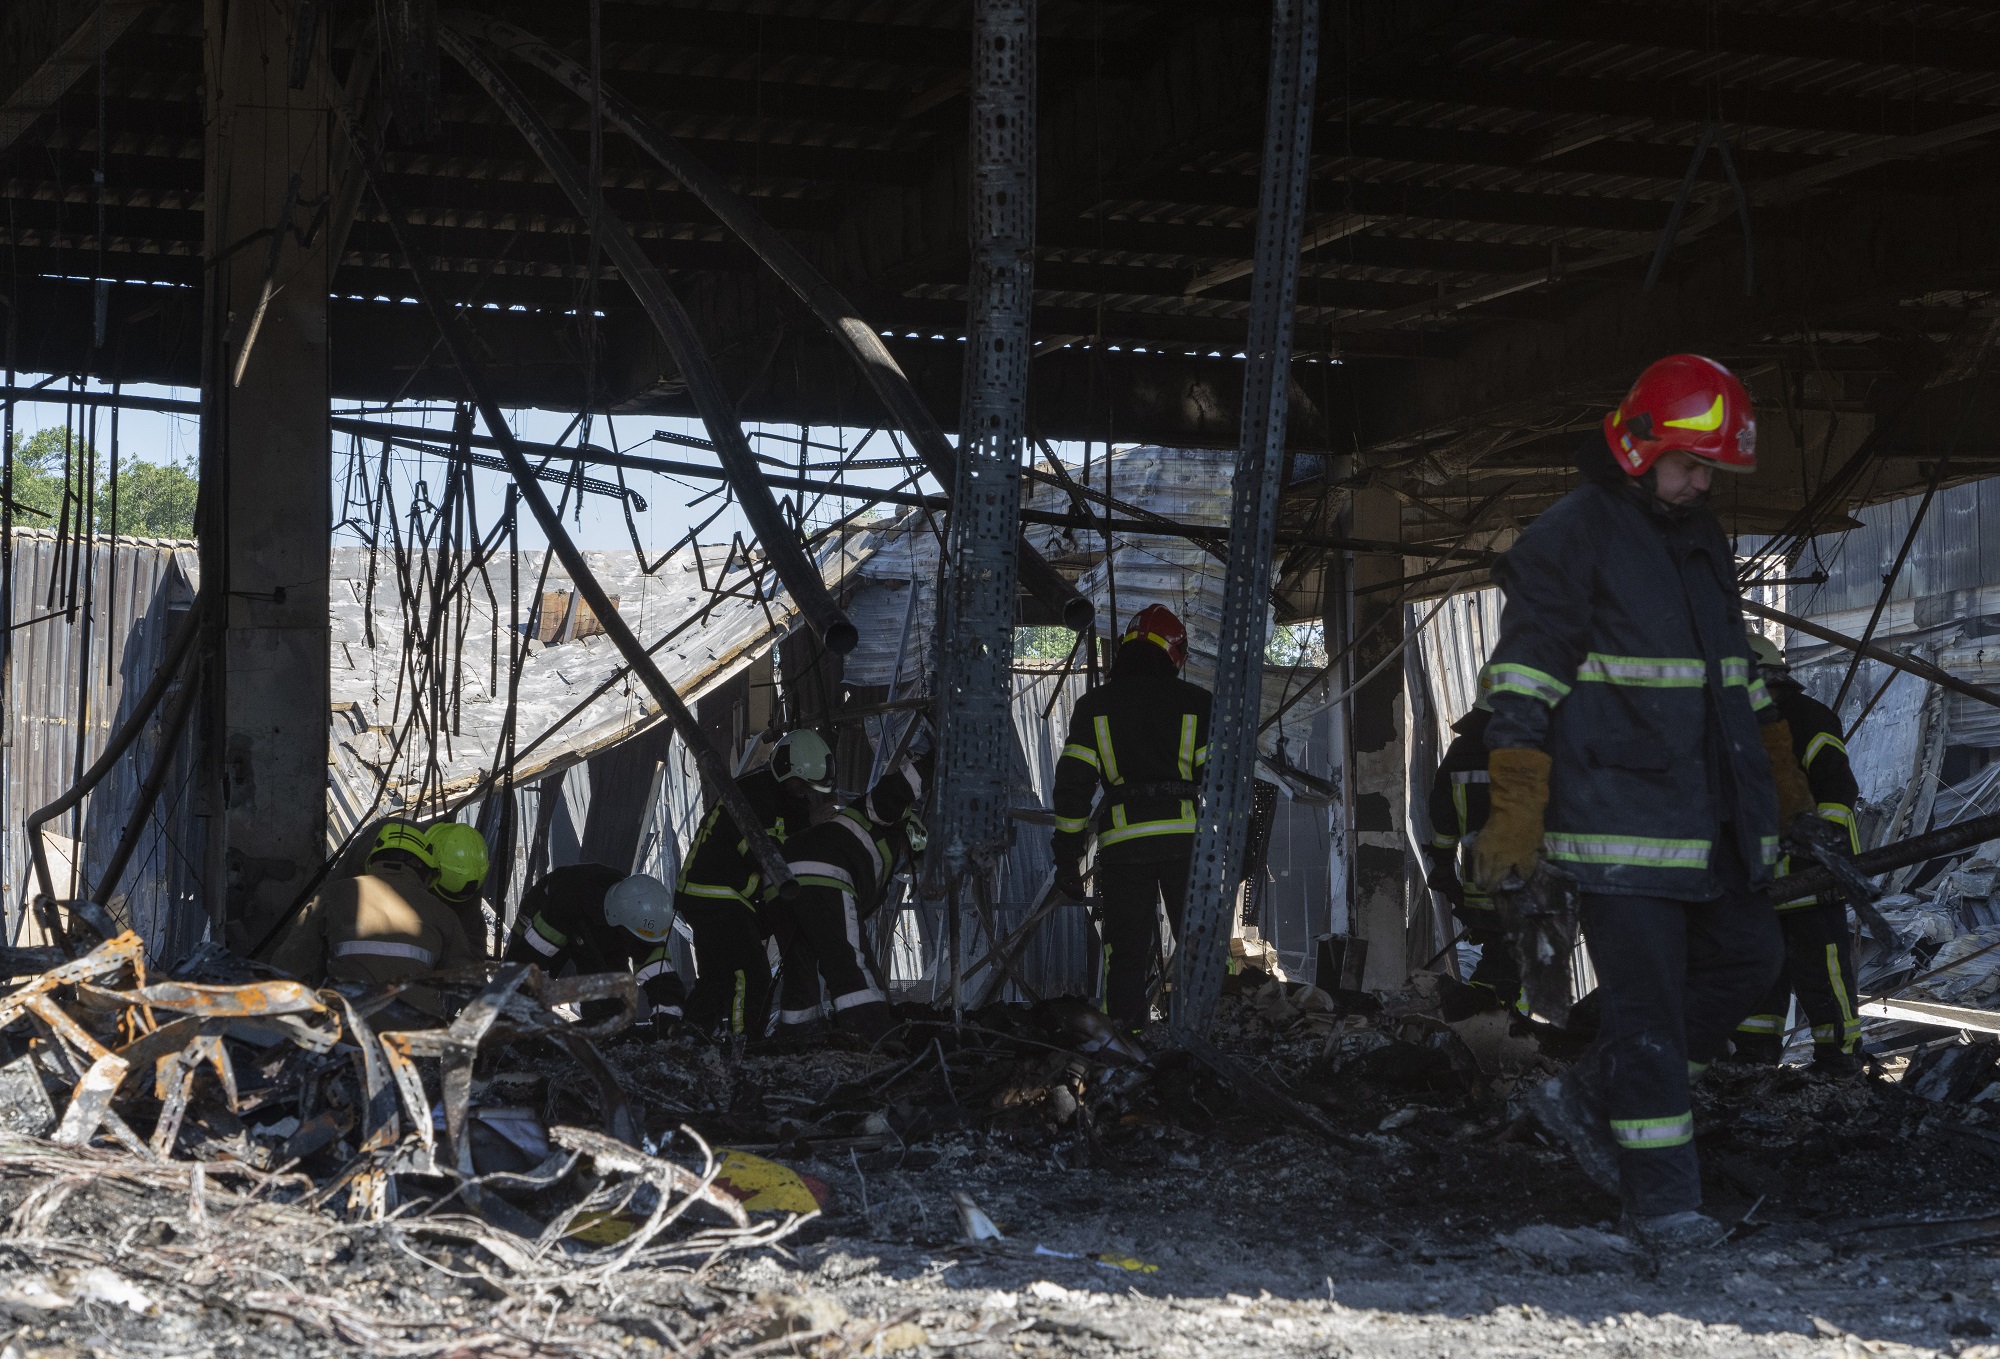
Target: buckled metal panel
1224 815
977 626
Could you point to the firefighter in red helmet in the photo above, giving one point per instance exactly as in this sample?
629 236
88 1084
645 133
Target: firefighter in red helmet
1633 745
1142 736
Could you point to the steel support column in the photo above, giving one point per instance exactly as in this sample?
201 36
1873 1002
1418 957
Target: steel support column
1227 785
767 524
1376 906
841 318
976 627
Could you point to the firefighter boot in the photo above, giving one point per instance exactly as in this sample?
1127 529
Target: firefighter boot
1669 1233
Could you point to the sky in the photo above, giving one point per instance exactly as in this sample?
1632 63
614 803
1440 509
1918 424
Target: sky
673 504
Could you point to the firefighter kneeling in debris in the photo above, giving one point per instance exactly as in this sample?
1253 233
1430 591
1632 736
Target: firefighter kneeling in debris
589 918
1143 737
844 866
1819 953
1633 744
386 925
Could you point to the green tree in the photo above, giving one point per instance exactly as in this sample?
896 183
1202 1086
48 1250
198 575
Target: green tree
155 500
1043 643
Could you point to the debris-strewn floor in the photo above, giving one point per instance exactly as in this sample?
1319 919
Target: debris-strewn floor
1170 1210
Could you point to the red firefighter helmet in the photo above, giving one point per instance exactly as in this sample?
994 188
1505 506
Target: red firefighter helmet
1156 623
1687 402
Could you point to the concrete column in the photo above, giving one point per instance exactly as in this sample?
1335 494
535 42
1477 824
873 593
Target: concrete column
270 529
1376 757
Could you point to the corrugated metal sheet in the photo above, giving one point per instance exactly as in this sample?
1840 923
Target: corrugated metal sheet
73 679
1957 548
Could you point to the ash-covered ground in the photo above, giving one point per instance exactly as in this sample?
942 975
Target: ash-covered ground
1166 1209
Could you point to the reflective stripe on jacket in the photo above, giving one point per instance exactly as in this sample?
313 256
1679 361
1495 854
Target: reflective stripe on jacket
1134 731
563 929
1822 753
1622 655
719 865
381 927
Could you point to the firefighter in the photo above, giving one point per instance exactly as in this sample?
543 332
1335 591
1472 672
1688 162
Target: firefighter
384 925
1141 736
1634 745
460 853
589 918
1458 809
721 883
844 866
1819 958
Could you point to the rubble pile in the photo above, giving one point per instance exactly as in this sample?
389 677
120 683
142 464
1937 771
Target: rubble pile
269 1115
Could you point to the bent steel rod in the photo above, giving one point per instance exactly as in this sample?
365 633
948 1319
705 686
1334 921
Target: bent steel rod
676 327
840 316
451 332
115 746
171 727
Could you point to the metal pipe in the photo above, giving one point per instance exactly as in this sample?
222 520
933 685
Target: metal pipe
1923 670
840 316
676 327
452 334
149 792
1223 816
1915 850
128 731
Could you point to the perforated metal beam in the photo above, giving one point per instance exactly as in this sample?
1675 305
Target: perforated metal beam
976 627
1223 821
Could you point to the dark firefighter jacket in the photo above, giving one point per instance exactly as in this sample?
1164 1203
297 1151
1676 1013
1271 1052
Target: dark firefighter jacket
843 866
1458 808
1622 655
1144 737
719 866
849 855
563 923
1816 740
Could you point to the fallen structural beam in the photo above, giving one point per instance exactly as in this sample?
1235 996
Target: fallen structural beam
840 316
1923 670
779 540
450 329
1223 819
1952 839
1930 1012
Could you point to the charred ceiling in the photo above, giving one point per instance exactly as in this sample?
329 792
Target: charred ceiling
1490 184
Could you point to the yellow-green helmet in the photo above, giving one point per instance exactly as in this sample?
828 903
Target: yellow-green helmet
459 852
404 838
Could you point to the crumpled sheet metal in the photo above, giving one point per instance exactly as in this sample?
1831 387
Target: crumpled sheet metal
112 998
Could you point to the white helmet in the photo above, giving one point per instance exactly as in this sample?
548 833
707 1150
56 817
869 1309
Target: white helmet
804 754
642 905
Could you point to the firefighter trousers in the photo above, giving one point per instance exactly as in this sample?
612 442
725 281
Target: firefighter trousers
821 939
732 986
1819 970
1674 977
1132 893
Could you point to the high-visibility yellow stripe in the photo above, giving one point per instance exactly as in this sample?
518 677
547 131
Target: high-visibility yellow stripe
1187 746
1821 742
1707 421
1074 751
1110 757
1850 1022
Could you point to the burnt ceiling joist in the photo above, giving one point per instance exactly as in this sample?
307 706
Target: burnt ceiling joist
1476 163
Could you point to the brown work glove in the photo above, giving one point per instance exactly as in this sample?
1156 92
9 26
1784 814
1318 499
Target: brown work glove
1795 795
1511 841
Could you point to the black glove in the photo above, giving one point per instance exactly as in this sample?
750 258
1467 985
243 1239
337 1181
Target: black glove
1069 881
